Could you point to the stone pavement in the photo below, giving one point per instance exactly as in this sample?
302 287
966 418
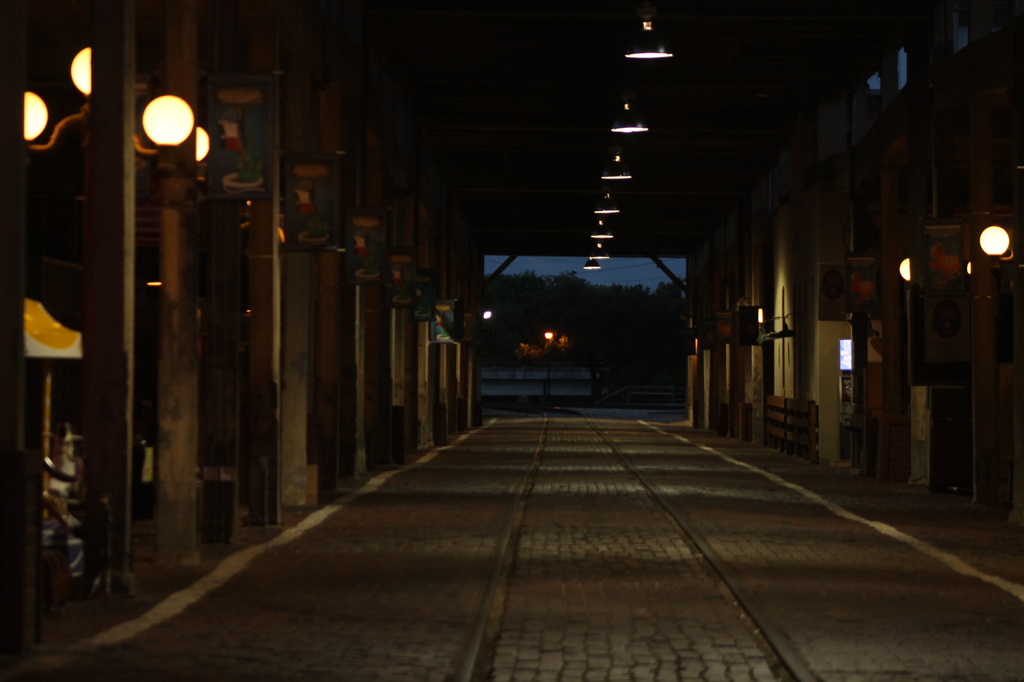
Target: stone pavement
849 579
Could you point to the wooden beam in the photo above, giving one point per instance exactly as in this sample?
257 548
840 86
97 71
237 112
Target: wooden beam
668 273
500 269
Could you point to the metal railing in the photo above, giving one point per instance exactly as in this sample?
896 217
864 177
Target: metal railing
646 395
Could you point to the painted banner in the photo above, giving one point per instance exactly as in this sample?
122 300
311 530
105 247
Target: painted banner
947 329
365 230
723 328
862 283
749 328
831 293
442 326
311 201
944 259
401 282
424 294
241 120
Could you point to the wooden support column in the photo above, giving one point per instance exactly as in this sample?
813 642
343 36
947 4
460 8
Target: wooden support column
351 461
178 373
1017 243
264 387
983 309
906 240
108 292
324 459
324 433
264 365
299 454
465 381
19 480
221 324
894 250
299 466
221 373
426 386
376 377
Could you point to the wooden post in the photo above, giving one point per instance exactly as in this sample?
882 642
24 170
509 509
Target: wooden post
894 249
265 320
221 373
264 365
19 502
1017 484
220 368
377 393
178 372
983 309
324 461
108 294
323 438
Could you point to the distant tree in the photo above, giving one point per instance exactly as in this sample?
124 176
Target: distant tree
622 334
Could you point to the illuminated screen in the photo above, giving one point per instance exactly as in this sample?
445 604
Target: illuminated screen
845 355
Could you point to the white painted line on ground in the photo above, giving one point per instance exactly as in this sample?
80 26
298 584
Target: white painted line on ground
950 560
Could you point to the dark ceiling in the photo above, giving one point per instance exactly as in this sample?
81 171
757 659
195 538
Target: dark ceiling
515 98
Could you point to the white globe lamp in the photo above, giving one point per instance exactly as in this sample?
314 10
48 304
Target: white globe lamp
168 120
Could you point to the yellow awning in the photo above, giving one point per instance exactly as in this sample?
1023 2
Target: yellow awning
45 337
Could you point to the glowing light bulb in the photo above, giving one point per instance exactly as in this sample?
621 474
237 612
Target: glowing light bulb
202 143
994 240
81 71
36 115
905 269
168 120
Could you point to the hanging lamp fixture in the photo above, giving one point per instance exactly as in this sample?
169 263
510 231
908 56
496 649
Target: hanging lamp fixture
606 204
601 231
616 169
628 120
647 43
591 264
599 252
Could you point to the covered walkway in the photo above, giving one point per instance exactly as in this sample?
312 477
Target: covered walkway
578 546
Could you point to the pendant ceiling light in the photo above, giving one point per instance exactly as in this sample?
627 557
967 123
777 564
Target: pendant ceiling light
605 204
628 120
647 43
591 264
616 169
601 231
599 252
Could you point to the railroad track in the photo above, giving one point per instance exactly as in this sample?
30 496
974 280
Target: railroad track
477 657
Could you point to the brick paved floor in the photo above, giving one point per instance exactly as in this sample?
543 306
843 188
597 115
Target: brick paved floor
854 579
605 587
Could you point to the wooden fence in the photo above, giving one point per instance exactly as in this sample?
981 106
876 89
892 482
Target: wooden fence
791 426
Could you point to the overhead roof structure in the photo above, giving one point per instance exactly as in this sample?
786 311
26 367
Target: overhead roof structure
514 100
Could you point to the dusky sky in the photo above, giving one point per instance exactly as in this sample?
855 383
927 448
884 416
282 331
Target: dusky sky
626 271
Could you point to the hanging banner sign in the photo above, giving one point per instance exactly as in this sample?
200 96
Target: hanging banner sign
947 329
442 327
311 201
748 327
424 294
862 283
831 293
401 279
365 245
707 335
723 328
944 259
241 119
